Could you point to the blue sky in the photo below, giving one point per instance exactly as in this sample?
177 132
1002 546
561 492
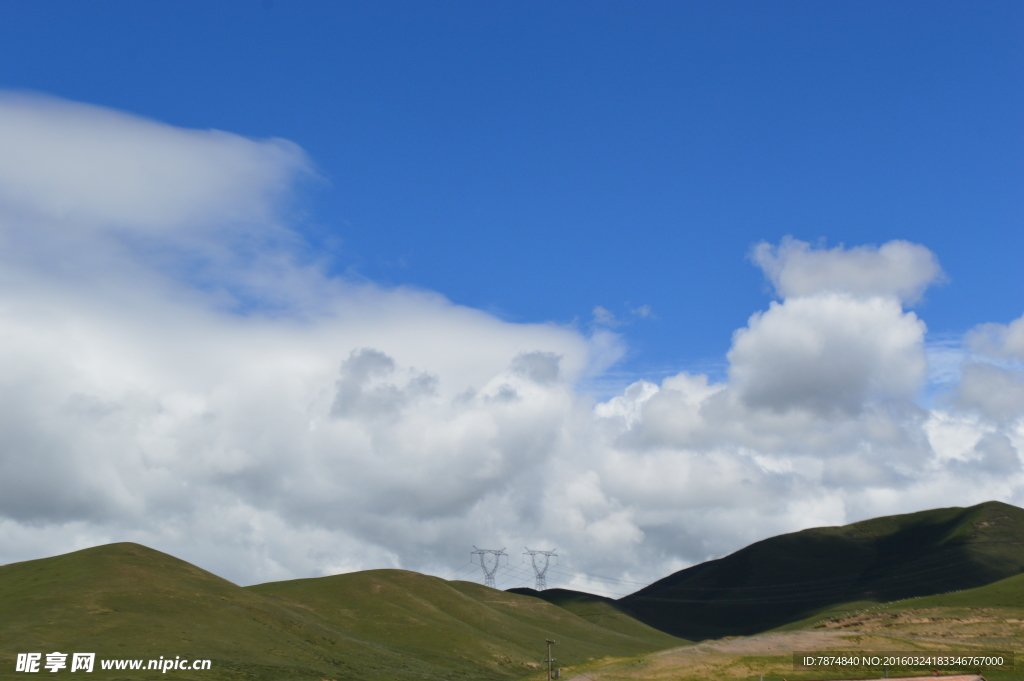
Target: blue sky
540 159
297 288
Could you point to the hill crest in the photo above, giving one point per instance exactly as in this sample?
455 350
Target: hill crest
785 578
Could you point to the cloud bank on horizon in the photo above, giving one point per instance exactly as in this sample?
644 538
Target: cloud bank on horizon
177 370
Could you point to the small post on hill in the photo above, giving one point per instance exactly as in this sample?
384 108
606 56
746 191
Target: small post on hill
549 660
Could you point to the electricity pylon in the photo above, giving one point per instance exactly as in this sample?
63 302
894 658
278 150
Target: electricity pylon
541 571
489 571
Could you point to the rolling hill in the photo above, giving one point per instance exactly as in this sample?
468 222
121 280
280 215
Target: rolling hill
597 609
129 601
460 625
793 576
985 621
991 612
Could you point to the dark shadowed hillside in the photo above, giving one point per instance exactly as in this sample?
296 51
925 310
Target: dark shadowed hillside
792 576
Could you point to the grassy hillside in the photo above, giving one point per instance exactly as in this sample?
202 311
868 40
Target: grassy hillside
602 611
128 601
983 620
457 624
882 580
794 576
993 614
1006 593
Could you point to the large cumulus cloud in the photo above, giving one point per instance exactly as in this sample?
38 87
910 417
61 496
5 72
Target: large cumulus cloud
175 369
828 352
822 416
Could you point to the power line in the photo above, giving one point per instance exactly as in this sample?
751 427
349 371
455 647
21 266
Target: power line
573 572
454 574
925 570
515 575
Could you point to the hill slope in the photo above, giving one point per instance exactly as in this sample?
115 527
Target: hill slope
600 610
788 578
987 620
462 625
993 613
129 601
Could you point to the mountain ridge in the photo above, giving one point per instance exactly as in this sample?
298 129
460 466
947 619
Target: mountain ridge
784 578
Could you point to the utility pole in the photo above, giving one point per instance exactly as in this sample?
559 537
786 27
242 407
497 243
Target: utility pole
541 570
550 659
489 571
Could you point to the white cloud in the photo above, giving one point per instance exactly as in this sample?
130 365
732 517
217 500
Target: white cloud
644 311
828 352
174 372
994 392
1001 341
897 268
605 317
74 166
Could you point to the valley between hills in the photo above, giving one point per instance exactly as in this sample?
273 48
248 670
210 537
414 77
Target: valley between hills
941 580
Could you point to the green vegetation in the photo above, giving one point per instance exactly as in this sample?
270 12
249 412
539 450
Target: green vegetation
128 601
992 614
458 625
986 619
600 610
1001 601
796 576
930 580
1006 593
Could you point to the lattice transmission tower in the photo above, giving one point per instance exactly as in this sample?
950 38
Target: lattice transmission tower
541 570
495 561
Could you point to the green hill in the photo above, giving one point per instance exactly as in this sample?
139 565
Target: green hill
1001 601
125 601
984 621
458 624
791 577
601 611
128 601
1006 593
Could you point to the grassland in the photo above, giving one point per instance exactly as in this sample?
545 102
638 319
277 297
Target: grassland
600 610
128 601
975 620
944 580
460 625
